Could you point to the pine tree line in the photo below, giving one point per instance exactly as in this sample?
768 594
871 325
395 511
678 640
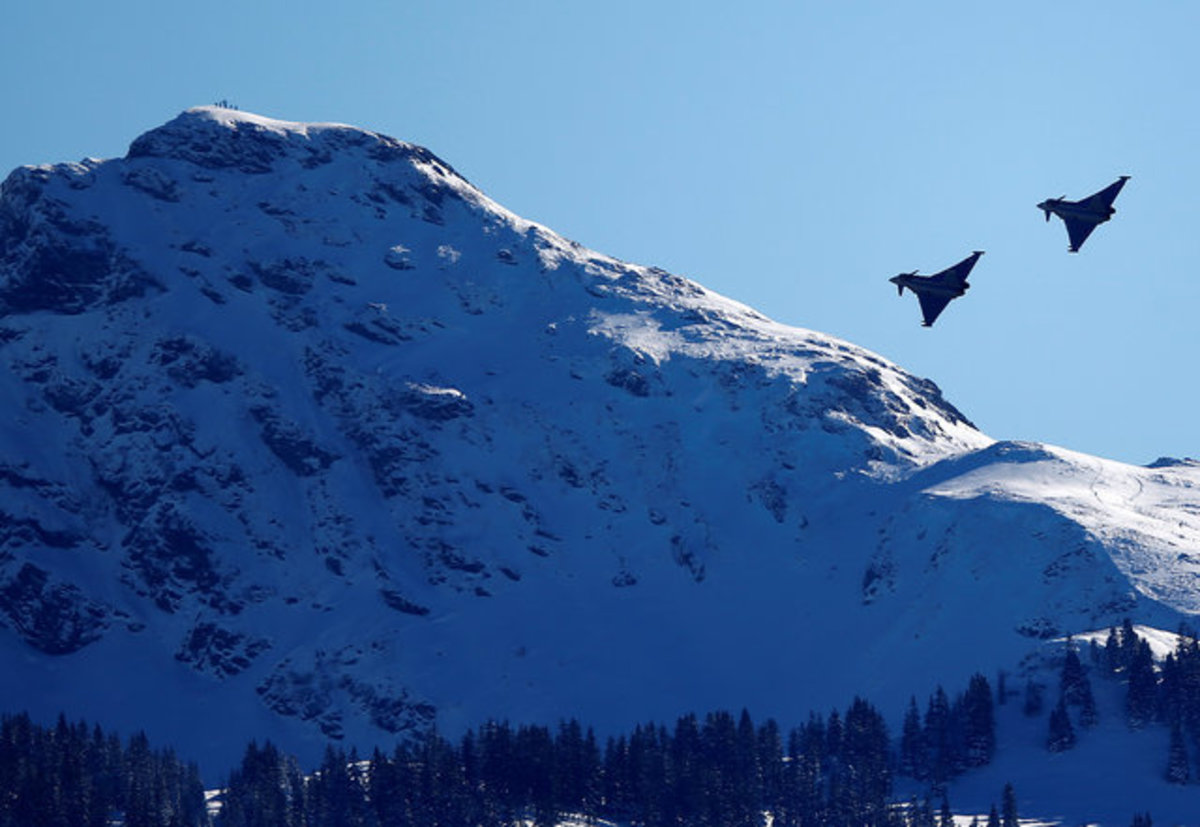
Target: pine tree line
72 776
721 771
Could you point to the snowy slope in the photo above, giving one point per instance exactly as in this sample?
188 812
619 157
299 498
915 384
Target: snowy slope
1146 518
1112 773
310 439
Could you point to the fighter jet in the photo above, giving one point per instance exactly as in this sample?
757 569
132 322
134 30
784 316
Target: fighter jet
1081 217
936 291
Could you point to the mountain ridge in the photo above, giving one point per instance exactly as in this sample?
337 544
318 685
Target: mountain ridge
348 450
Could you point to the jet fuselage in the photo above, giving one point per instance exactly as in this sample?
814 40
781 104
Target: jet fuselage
934 285
1076 209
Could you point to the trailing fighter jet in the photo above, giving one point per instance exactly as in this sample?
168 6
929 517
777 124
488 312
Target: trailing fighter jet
1081 217
935 292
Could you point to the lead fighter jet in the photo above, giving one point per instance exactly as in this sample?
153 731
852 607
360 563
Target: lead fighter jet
936 291
1081 217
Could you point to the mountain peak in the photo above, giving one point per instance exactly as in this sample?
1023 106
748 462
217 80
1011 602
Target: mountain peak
198 117
217 137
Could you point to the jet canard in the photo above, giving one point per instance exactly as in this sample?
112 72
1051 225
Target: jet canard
1081 217
936 291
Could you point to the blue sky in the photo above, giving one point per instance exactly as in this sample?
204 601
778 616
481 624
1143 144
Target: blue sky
791 155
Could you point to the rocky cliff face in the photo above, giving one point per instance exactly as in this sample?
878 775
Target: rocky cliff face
309 438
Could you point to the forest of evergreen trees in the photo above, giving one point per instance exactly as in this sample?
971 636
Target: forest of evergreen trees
722 770
71 775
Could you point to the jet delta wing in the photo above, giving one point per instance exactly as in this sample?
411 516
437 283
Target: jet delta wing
1081 217
936 291
931 307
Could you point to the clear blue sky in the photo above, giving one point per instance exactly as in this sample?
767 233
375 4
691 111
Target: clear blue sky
791 155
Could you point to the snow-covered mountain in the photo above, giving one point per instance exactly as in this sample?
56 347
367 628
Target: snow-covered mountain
307 438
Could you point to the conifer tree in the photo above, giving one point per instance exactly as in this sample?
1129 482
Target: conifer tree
497 757
979 722
576 760
945 816
1089 715
535 768
1112 651
1076 688
615 789
1071 674
833 736
1061 735
770 761
1008 807
937 739
803 775
1177 757
912 751
139 781
1141 698
865 761
747 773
1128 637
389 793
